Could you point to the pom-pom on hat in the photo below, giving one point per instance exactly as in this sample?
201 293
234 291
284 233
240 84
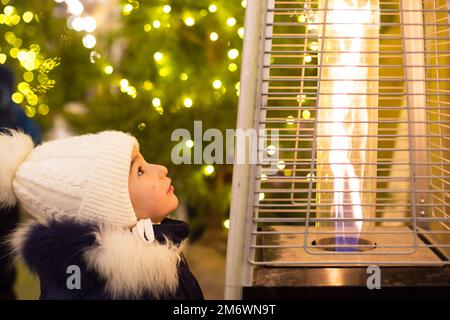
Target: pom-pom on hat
83 177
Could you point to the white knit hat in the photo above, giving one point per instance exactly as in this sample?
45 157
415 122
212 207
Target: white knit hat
82 177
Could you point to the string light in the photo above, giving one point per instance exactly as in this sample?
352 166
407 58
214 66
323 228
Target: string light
89 24
261 196
306 114
208 170
158 56
232 67
167 8
290 120
307 58
217 84
314 45
3 58
231 21
89 41
244 3
188 102
28 76
241 32
148 85
233 54
190 144
189 21
271 150
213 36
226 224
156 24
212 8
27 16
126 10
281 165
184 76
109 69
147 27
43 109
156 102
17 97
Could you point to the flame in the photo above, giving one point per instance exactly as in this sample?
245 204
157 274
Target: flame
347 93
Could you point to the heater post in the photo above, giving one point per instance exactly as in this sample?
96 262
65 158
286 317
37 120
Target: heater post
238 269
415 89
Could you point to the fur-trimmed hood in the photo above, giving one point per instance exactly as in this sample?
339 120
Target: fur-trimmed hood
124 266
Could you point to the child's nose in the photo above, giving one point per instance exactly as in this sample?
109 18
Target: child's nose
163 171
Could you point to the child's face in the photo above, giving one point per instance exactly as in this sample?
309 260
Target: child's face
150 190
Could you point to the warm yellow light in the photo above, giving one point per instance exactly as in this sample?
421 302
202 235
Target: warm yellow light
188 102
28 76
147 27
30 112
241 32
190 144
301 18
208 170
232 67
290 120
244 3
9 10
158 56
314 45
212 8
17 97
89 41
307 58
217 84
156 24
127 9
3 58
231 21
233 54
226 224
184 76
27 16
281 165
148 85
156 102
261 196
306 114
263 177
108 69
124 83
14 52
271 150
167 8
213 36
189 21
43 109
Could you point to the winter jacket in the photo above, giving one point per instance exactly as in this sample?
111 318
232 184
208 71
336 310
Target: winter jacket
87 261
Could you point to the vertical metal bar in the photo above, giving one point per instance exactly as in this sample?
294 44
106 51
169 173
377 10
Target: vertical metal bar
240 211
412 27
316 119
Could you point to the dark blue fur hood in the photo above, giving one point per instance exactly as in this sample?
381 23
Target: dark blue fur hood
86 261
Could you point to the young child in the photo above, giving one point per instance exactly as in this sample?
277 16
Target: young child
101 230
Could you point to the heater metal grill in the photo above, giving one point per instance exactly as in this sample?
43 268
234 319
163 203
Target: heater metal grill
359 93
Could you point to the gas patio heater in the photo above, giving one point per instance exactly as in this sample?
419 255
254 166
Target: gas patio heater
359 94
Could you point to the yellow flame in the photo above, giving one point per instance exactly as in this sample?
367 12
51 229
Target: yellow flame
345 100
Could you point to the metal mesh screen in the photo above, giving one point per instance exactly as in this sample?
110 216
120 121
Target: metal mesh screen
359 93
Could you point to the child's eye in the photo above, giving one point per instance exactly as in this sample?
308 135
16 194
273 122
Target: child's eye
140 171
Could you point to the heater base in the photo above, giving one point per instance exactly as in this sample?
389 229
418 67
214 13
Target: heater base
348 283
384 246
